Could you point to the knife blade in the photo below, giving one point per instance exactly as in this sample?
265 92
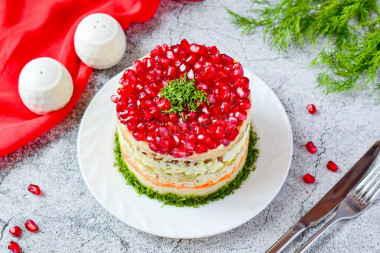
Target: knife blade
331 200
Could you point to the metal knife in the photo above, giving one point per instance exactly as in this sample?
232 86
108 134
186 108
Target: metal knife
331 200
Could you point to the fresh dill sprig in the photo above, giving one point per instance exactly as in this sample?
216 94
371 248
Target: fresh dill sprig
351 63
351 54
191 201
183 95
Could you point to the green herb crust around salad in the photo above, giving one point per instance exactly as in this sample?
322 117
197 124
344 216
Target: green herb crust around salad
190 201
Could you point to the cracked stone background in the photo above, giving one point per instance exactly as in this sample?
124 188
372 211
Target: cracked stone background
71 220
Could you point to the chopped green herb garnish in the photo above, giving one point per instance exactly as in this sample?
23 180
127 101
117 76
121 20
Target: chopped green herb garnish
183 95
191 201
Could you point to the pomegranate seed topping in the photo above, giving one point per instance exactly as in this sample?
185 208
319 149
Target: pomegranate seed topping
164 117
162 132
201 138
215 122
227 60
176 139
202 86
150 137
308 179
211 98
190 74
153 146
139 136
245 104
35 189
163 104
114 98
206 110
191 115
210 143
179 152
241 115
189 145
183 125
131 125
332 166
15 231
137 66
232 120
173 129
203 120
182 68
31 226
225 107
164 143
242 92
185 45
150 91
311 147
191 59
224 95
173 117
197 67
13 246
242 82
220 132
170 55
230 129
311 108
165 47
194 48
234 134
200 148
225 142
208 72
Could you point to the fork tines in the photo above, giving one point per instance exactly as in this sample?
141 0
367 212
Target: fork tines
365 190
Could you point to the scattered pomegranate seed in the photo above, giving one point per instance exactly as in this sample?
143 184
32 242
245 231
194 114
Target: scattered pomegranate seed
308 179
13 246
311 108
332 166
311 147
35 189
31 226
15 231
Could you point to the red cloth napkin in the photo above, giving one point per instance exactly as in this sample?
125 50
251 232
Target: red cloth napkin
31 29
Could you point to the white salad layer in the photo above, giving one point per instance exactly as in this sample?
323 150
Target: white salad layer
186 169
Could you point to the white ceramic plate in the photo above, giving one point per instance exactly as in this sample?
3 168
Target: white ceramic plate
96 158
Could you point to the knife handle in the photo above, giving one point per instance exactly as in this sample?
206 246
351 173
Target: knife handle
287 238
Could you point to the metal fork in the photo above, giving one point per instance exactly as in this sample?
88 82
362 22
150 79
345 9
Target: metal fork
354 204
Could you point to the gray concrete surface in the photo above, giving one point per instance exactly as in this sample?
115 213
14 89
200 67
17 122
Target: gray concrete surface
71 220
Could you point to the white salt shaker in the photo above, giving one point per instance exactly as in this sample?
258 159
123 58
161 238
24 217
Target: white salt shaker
99 41
45 85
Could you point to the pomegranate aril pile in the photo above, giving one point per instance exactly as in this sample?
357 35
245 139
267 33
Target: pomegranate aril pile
144 112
